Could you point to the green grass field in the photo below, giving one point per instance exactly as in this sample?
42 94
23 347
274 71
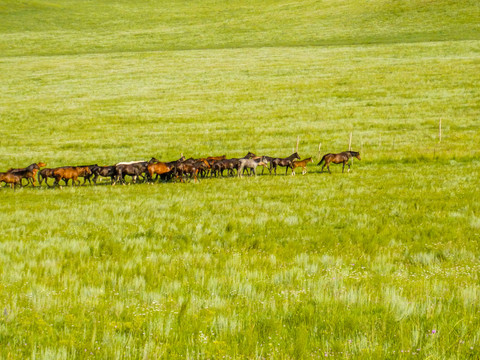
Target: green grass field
381 262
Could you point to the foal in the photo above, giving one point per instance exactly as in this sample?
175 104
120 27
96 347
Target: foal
302 164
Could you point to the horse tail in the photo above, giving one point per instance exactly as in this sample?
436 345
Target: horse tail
323 159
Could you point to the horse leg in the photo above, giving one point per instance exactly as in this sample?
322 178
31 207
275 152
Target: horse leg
304 171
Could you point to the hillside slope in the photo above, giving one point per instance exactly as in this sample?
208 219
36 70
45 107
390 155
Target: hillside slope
70 27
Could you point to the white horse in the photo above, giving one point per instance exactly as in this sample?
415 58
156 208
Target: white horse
251 164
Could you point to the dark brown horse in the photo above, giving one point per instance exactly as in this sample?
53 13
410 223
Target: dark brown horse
44 174
287 162
191 169
104 171
302 163
339 158
28 173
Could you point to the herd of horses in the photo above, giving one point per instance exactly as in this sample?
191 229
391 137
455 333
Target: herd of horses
179 170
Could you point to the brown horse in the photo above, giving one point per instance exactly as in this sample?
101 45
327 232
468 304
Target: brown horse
158 168
303 164
216 158
191 169
70 172
28 173
12 179
44 174
287 162
339 158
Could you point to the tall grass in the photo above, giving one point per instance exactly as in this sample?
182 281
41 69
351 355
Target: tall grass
381 262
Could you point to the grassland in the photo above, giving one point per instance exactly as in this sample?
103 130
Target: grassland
382 262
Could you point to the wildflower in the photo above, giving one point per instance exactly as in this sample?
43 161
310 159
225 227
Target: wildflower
434 331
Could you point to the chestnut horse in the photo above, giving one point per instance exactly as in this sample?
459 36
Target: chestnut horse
339 158
303 164
70 172
158 168
12 179
216 158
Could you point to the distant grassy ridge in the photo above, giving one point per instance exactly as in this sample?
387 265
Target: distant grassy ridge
76 27
109 108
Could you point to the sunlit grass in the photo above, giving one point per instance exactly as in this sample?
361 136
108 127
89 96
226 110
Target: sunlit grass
381 262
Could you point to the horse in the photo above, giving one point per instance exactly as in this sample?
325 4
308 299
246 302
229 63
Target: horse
88 176
12 179
216 158
70 172
134 170
28 173
173 164
303 164
44 174
227 164
249 155
218 167
342 157
158 168
251 164
104 171
269 160
287 162
191 168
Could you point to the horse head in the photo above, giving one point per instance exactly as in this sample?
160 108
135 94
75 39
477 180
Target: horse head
356 154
